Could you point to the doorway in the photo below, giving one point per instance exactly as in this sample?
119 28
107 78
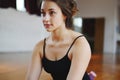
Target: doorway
93 29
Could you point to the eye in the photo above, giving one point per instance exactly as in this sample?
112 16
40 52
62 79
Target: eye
43 13
52 13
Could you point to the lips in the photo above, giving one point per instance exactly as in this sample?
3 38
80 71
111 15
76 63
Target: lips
47 25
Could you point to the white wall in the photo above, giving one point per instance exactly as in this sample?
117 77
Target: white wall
106 9
19 31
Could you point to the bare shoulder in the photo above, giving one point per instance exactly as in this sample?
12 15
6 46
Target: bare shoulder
80 57
81 40
81 45
38 49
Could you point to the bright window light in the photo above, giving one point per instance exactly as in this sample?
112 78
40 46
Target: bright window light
20 5
77 22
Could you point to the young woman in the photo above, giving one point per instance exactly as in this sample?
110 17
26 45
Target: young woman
65 54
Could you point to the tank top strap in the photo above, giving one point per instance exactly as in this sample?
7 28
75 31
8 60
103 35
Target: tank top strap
73 43
44 47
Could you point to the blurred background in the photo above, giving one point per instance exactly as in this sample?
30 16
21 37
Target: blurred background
21 28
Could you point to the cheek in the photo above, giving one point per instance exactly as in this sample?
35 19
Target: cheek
58 21
42 20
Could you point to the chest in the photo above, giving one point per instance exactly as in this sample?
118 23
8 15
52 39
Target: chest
57 52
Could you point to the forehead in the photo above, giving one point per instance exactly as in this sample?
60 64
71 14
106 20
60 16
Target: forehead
48 5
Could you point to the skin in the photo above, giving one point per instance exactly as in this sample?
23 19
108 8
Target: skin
58 43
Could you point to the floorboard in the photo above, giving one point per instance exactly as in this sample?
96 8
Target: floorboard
13 66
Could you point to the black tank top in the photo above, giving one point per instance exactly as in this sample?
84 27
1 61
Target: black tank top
59 69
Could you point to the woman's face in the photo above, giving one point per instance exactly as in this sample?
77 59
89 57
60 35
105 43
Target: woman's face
52 15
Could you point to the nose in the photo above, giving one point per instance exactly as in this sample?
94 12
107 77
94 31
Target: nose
46 18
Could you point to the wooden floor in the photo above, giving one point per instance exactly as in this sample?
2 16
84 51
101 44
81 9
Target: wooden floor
13 66
107 66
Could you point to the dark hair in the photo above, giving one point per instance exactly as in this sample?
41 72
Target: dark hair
68 8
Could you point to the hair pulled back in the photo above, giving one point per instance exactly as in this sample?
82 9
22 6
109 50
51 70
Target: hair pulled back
68 8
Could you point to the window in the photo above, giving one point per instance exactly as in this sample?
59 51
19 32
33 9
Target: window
20 5
77 22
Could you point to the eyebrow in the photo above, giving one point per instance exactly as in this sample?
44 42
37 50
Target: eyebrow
51 9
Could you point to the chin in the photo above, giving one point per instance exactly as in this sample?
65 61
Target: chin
48 30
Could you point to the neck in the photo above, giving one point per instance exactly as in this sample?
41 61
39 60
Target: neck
60 35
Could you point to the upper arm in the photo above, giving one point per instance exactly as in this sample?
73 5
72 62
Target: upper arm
35 65
80 59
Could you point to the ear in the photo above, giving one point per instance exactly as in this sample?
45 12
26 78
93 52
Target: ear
64 17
